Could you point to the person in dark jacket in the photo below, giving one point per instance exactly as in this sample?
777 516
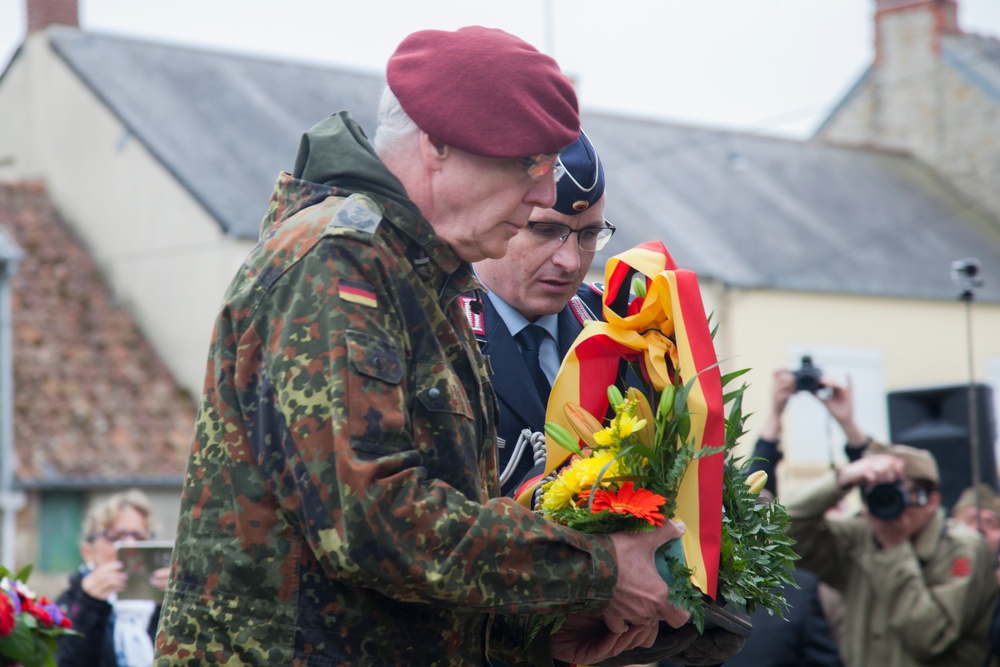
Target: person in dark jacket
540 283
112 632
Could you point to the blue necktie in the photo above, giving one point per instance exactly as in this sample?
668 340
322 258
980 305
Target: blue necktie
530 338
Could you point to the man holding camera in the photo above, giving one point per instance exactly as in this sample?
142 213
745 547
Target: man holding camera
917 589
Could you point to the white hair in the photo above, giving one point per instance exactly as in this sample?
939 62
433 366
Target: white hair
103 514
393 125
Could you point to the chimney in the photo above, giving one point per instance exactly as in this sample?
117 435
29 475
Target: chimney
43 13
941 18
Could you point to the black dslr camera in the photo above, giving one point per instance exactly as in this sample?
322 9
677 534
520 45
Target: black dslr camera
807 377
887 501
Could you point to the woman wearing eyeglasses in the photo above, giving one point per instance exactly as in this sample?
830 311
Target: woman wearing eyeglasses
114 633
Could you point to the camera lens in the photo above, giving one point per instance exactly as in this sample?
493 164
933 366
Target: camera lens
885 501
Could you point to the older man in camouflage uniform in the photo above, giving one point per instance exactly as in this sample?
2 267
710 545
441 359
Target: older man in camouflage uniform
339 504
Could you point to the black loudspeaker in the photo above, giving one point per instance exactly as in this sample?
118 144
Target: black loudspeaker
938 419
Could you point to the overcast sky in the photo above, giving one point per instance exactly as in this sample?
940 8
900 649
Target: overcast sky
775 66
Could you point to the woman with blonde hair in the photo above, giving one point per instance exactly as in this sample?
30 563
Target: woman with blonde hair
114 633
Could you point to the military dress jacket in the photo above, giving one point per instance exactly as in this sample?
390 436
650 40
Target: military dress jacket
520 405
338 507
923 603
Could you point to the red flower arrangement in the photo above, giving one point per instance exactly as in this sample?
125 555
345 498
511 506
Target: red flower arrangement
29 624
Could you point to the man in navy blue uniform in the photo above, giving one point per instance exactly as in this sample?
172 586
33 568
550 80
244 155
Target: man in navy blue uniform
540 283
537 290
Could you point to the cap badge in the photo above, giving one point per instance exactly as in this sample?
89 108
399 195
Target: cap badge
581 205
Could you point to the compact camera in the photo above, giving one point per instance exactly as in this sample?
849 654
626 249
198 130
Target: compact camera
807 378
887 501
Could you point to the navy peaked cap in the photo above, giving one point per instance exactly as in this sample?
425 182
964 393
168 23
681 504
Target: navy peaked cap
582 184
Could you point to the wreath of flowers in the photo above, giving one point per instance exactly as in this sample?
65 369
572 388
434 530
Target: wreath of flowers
627 474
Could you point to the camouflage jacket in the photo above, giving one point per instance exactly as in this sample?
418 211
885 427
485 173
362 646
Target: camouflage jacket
339 505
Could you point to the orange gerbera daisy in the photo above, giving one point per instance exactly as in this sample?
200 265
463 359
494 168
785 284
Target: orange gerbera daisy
640 503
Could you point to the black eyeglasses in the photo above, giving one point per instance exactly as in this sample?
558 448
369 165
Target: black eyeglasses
119 535
591 239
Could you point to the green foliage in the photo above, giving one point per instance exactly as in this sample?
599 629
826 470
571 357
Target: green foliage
682 593
756 557
600 523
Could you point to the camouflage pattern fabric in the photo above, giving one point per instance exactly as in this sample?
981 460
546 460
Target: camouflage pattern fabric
339 505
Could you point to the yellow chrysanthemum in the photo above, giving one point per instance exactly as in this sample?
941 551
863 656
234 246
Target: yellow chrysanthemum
581 474
558 493
586 470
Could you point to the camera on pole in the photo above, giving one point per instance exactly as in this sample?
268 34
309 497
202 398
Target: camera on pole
965 274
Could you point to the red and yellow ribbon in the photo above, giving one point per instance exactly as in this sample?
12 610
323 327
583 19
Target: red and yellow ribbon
673 308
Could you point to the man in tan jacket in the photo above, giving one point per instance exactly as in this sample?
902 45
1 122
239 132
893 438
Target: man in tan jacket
918 589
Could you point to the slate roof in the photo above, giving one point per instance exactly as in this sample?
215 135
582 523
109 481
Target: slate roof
764 213
93 403
225 125
750 211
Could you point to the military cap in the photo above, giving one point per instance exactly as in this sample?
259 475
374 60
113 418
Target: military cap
918 463
989 499
485 92
582 182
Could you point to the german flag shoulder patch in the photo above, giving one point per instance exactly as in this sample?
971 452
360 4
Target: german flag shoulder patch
359 293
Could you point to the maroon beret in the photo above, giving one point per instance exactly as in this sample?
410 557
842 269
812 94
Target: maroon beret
484 91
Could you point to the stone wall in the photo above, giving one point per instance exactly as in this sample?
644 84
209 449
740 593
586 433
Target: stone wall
932 92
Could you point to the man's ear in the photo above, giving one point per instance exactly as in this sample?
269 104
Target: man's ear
434 152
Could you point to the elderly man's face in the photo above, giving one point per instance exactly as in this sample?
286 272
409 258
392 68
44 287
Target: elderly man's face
479 203
539 277
988 521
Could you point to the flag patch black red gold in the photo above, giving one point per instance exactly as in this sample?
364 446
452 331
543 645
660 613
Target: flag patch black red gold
359 293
